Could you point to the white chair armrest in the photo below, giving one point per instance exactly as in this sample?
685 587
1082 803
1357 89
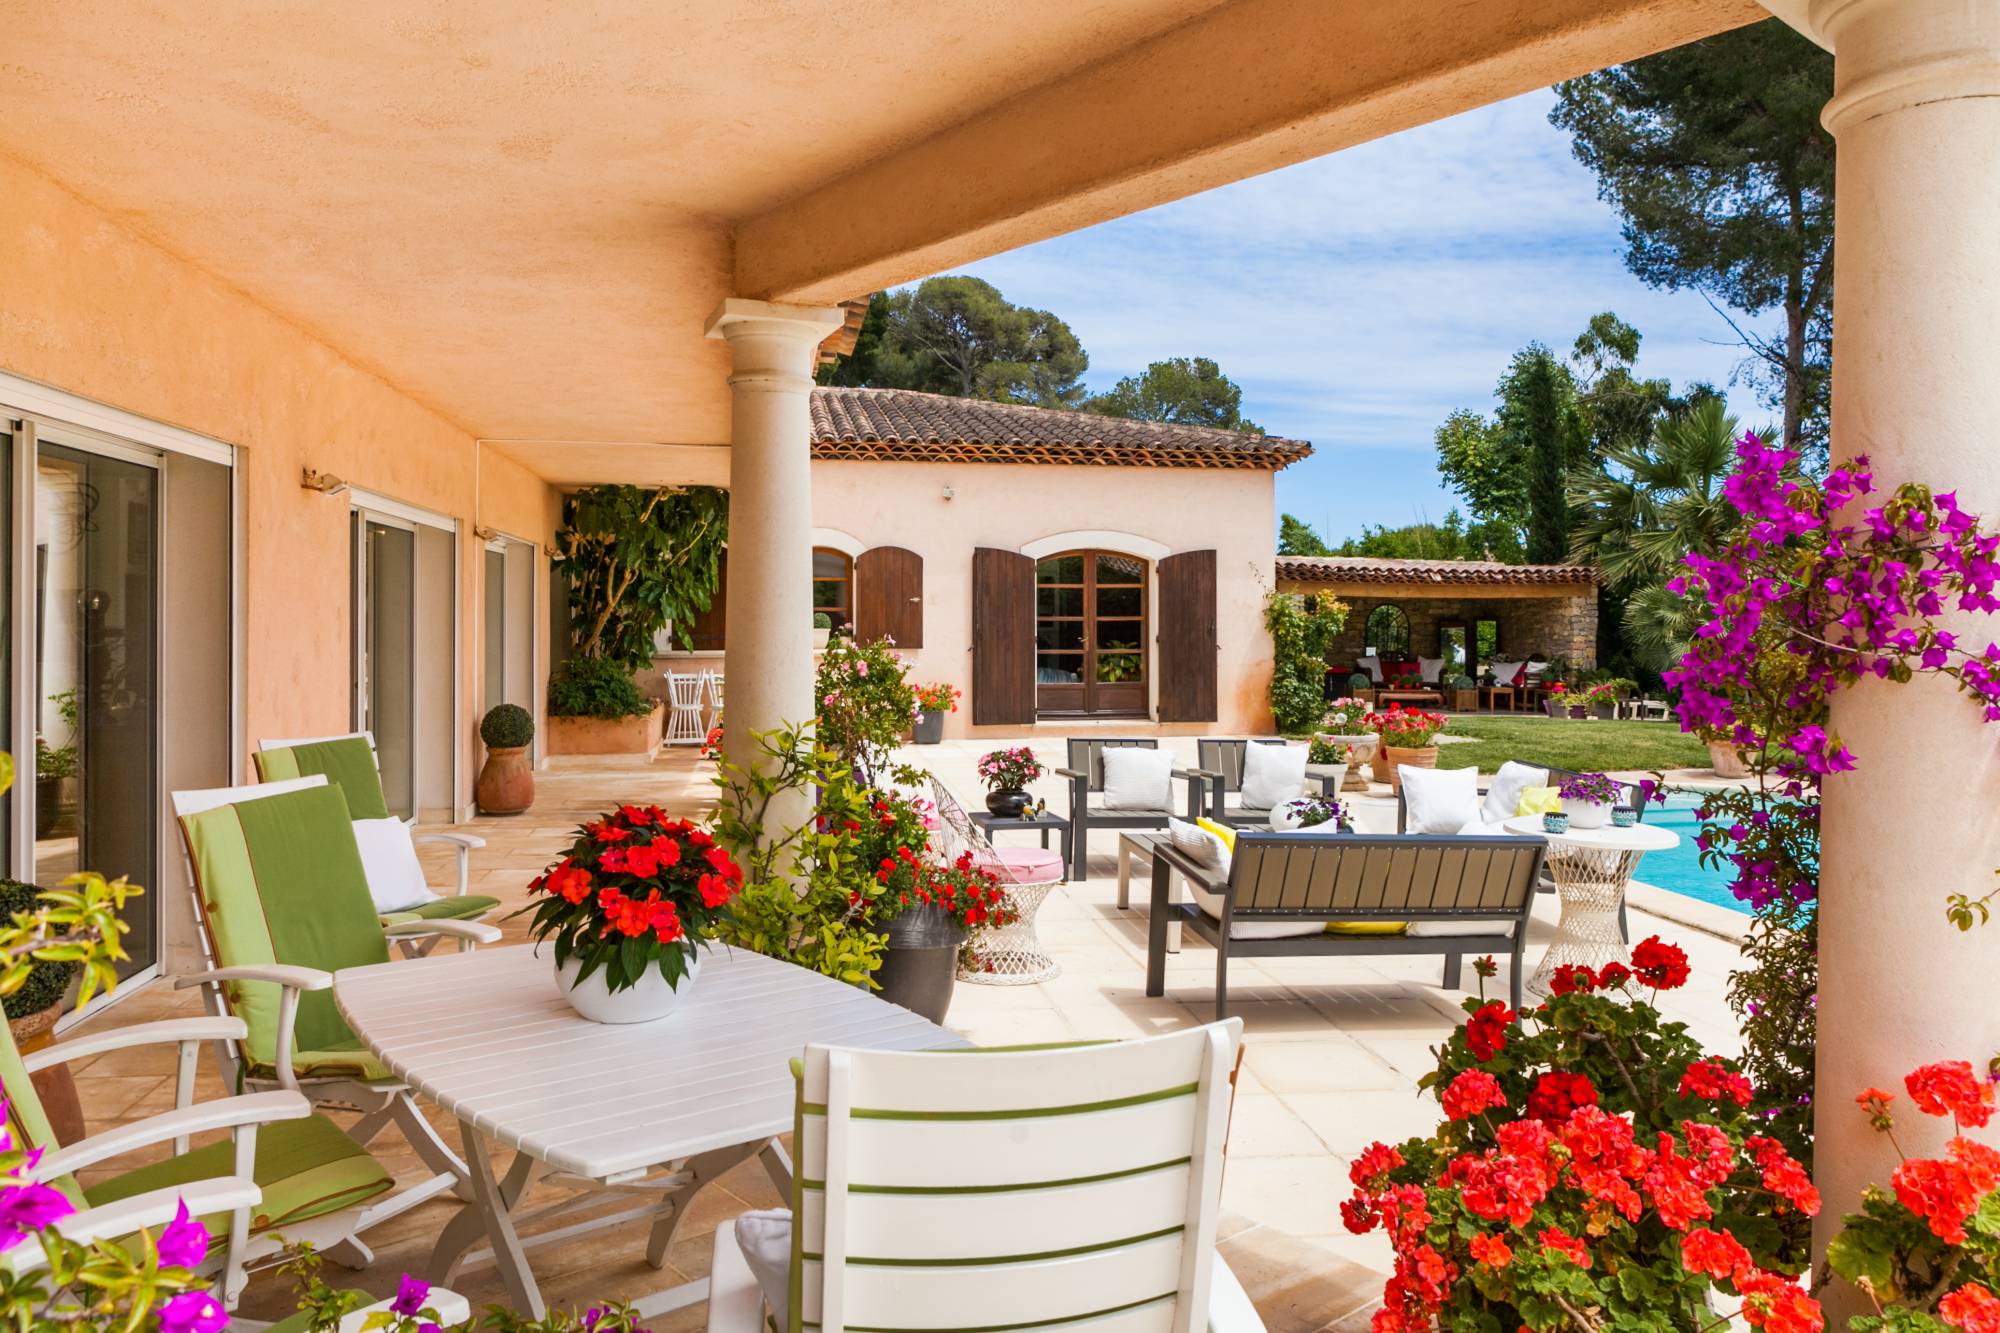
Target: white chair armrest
1229 1307
466 840
735 1301
473 932
451 1308
155 1208
284 974
253 1108
138 1034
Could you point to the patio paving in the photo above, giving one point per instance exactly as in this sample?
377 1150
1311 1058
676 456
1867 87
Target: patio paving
1333 1051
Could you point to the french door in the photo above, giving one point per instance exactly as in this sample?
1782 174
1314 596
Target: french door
385 655
1090 634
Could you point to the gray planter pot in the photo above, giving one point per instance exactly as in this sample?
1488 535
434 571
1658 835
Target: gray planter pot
920 966
928 729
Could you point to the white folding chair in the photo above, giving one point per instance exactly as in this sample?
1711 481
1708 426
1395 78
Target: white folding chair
714 679
684 702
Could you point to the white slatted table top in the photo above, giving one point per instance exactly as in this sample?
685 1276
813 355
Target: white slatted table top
486 1036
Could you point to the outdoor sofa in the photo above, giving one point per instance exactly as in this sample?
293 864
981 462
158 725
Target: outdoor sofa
1219 760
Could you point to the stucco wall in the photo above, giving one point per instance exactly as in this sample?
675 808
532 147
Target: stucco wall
91 308
1012 506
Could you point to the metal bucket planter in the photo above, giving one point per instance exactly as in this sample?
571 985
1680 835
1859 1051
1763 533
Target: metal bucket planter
928 728
920 966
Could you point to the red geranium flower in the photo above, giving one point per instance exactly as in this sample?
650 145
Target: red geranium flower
1573 977
1776 1305
1472 1092
1711 1082
1951 1088
1714 1253
1375 1161
1557 1093
1486 1030
1560 1241
1661 966
1973 1308
1783 1176
1612 974
1491 1250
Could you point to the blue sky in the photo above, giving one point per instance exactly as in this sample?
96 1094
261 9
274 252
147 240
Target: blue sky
1360 298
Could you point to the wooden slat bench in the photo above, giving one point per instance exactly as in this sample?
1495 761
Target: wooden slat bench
1479 881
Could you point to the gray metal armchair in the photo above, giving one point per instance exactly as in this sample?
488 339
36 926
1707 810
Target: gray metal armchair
1085 773
1219 759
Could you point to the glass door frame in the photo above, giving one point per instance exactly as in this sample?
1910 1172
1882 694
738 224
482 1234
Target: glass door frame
493 540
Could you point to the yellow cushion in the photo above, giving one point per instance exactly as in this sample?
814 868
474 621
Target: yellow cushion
1538 801
1222 831
1366 927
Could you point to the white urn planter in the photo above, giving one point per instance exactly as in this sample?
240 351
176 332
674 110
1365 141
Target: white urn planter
651 999
1587 814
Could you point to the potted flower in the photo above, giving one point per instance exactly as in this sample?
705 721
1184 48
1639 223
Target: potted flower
1595 1169
1464 694
1326 757
1408 736
933 702
1346 723
1310 812
822 629
1007 774
1728 758
1587 799
506 784
931 911
628 907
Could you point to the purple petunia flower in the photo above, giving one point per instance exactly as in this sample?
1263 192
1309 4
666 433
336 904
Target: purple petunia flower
193 1312
184 1244
411 1293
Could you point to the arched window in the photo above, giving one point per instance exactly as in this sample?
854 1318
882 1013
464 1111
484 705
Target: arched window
1090 633
1389 633
833 585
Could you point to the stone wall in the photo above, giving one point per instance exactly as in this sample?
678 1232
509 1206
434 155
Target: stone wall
1548 626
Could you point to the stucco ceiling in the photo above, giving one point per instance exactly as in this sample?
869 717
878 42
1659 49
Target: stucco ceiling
522 211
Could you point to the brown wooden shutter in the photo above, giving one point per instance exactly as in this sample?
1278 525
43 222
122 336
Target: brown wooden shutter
1003 637
889 596
1187 637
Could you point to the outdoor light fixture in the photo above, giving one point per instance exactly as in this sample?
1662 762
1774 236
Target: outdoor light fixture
487 534
949 492
323 482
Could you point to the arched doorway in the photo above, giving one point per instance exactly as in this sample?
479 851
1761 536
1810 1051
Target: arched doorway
1090 634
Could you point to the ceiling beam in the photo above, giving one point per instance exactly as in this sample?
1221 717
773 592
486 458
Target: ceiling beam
1248 87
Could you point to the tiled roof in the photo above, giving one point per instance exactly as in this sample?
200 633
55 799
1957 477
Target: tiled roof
901 425
1371 569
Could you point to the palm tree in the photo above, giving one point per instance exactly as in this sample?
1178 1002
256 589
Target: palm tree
1639 514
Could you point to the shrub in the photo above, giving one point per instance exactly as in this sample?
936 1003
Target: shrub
1301 631
595 687
865 703
1461 682
506 727
1360 681
47 982
821 620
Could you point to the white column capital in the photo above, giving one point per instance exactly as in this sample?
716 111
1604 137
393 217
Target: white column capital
739 317
1891 55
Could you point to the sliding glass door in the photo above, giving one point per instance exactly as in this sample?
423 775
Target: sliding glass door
385 659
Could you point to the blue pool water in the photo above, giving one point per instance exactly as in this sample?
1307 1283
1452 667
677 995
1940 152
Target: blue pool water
1680 870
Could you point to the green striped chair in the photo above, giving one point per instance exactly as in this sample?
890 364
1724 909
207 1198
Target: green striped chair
282 1169
388 844
283 903
1053 1189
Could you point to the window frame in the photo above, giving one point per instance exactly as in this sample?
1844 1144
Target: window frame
1091 695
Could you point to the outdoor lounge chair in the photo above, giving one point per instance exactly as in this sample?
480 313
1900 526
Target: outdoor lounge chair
282 1169
1219 759
1054 1189
1086 777
283 903
1458 895
388 844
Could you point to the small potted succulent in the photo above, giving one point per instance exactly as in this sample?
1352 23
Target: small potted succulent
933 702
1007 774
1464 694
506 784
1587 799
1408 736
822 629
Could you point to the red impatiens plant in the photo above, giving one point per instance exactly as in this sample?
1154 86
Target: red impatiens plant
1595 1170
1407 728
939 698
972 896
636 890
1926 1251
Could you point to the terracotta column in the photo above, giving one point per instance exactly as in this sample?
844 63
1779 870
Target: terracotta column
1916 386
768 660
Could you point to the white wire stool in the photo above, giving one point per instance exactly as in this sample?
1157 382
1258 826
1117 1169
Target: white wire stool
1009 955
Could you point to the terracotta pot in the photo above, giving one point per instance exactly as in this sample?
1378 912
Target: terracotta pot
55 1086
1727 760
607 735
506 783
1423 756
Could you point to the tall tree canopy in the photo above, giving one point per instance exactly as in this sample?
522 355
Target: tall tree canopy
1187 391
1296 537
960 336
1715 155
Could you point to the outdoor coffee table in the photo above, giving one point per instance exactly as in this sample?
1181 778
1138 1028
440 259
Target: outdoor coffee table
487 1037
1591 868
1043 824
1495 693
1409 697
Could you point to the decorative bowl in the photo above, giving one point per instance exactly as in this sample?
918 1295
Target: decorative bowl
1555 822
1624 818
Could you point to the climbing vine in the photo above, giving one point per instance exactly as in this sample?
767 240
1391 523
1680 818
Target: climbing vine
1302 630
636 560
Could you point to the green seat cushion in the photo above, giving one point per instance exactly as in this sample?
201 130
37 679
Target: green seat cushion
347 1059
306 1168
466 907
348 763
281 881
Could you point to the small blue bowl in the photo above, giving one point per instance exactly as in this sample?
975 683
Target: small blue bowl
1555 822
1623 818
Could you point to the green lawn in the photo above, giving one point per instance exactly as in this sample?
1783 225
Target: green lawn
1594 747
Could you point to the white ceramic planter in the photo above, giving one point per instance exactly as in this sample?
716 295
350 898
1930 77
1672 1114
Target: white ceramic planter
1587 814
651 999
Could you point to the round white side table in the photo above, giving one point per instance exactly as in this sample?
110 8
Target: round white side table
1591 868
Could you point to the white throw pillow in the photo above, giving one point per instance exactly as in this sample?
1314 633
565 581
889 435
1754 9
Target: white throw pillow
1423 930
1504 672
1138 778
1272 775
765 1237
1200 845
1372 665
395 878
1439 800
1430 668
1503 794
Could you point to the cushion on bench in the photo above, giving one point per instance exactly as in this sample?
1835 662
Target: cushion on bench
1024 865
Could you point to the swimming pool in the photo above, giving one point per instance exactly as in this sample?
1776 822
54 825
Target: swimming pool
1680 870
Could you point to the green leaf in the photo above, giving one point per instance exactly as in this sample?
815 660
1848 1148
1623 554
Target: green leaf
1858 1253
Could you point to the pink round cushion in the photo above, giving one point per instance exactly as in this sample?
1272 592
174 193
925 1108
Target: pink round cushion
1025 865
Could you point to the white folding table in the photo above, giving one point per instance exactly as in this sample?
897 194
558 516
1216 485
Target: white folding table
652 1111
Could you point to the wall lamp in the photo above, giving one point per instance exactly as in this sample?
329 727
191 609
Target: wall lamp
323 482
948 492
487 534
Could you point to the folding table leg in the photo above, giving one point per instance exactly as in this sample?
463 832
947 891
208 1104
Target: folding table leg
699 1170
491 1212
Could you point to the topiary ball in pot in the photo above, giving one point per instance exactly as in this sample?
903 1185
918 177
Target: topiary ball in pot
1359 682
506 783
48 982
